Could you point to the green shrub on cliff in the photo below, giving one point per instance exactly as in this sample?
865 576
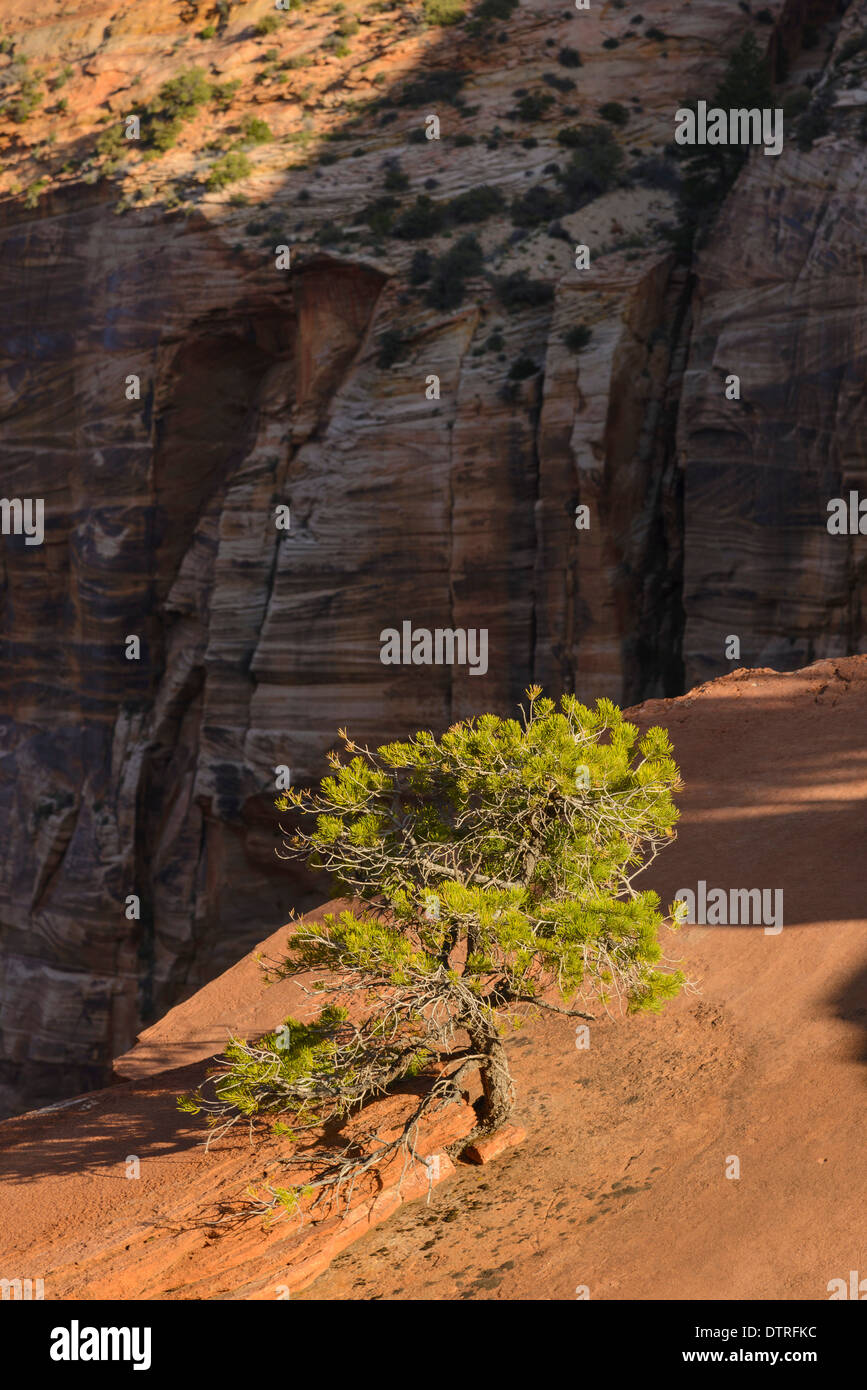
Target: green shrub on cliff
444 12
476 205
709 171
255 131
594 164
423 218
538 205
450 272
30 98
228 169
577 337
34 193
614 112
491 871
112 143
518 291
532 106
442 84
480 25
176 102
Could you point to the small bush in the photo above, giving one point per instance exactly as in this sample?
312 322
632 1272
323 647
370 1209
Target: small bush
420 267
452 270
614 113
487 11
518 291
710 171
521 368
29 99
611 43
395 179
594 165
560 84
228 169
267 25
182 95
538 206
577 337
255 131
656 173
111 143
208 32
176 102
569 57
223 92
444 12
379 215
764 17
533 106
659 35
423 218
34 193
392 345
476 205
443 84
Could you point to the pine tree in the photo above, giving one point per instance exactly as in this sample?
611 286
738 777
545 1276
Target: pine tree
709 171
491 874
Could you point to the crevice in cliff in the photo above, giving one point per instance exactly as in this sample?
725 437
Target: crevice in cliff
653 653
536 484
165 764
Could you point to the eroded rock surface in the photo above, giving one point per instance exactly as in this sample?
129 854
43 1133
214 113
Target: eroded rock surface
259 388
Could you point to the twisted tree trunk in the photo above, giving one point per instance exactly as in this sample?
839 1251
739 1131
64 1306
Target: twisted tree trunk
498 1092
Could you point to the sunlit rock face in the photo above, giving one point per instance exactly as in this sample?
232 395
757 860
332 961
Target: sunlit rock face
149 773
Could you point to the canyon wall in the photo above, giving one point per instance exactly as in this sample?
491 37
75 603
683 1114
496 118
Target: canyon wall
151 775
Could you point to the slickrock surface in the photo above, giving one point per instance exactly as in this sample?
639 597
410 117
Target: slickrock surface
620 1185
262 387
